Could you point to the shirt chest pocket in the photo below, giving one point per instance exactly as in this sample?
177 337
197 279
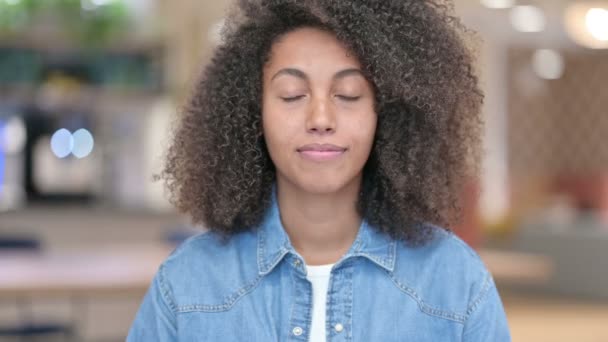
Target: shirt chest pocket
253 312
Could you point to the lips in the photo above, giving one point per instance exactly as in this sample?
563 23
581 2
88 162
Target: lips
321 148
321 152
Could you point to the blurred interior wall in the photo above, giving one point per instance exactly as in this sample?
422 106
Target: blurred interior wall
557 130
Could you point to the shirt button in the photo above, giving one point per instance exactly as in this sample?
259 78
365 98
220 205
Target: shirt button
297 331
339 327
297 262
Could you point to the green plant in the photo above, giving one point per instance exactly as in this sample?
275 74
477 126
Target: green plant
89 22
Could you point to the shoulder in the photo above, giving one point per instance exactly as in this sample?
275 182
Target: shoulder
208 244
443 249
445 275
220 269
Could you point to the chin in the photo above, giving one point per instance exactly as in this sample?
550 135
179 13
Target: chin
321 188
321 185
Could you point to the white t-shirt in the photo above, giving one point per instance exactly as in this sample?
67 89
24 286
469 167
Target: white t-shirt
319 277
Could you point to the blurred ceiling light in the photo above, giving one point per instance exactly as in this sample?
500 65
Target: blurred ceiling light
62 143
527 19
548 64
498 4
597 23
14 136
83 143
587 23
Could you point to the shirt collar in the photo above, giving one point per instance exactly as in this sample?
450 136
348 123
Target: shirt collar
273 242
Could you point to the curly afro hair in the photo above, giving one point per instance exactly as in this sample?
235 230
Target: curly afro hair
414 52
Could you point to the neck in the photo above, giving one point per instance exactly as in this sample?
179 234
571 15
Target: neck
321 227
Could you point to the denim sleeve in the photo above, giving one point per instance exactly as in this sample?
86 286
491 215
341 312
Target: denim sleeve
486 317
155 320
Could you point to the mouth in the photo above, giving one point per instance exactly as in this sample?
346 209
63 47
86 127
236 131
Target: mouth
321 152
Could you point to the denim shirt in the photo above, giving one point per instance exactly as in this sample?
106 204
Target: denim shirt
254 288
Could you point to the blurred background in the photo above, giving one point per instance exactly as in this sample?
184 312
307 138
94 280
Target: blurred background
89 90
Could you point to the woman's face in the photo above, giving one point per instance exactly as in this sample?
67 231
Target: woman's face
318 112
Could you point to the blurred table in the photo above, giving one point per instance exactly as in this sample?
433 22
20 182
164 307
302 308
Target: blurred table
518 267
128 269
112 269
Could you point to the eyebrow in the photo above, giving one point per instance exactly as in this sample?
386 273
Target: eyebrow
300 74
291 71
348 72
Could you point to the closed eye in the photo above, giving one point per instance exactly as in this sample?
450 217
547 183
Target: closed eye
348 98
292 99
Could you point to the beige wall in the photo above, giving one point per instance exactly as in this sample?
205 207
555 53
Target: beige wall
556 127
187 38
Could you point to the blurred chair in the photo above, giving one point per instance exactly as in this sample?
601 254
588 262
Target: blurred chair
588 191
25 244
28 329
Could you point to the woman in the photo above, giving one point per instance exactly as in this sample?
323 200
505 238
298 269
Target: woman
324 147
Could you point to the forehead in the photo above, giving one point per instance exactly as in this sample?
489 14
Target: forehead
310 48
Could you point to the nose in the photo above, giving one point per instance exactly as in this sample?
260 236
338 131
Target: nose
321 119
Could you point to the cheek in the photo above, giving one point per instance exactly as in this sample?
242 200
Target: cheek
371 125
270 122
278 132
280 122
366 130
